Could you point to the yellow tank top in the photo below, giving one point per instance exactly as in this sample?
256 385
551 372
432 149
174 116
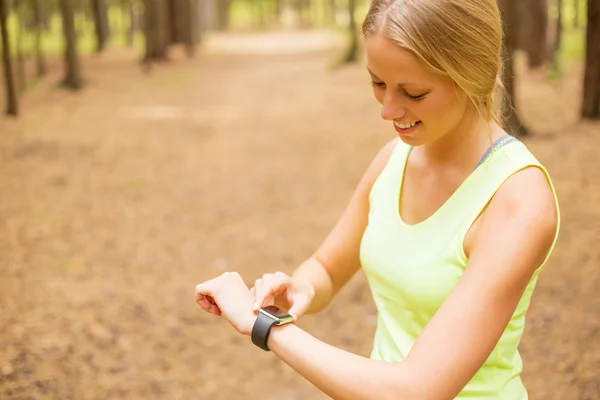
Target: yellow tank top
411 269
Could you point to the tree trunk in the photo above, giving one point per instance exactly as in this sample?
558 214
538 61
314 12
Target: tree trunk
156 30
12 107
558 32
46 14
173 19
210 14
537 33
352 54
554 51
523 27
591 92
511 118
179 19
40 62
304 11
72 78
223 7
130 21
576 14
21 78
278 10
190 25
100 23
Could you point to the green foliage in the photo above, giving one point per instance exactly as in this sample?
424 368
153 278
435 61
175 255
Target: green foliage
573 45
573 38
572 48
244 13
569 13
53 41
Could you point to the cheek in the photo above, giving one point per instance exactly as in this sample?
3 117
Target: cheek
442 109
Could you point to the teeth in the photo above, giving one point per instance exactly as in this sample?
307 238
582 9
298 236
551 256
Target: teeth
405 126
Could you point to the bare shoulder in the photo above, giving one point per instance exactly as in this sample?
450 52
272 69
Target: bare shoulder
523 207
528 194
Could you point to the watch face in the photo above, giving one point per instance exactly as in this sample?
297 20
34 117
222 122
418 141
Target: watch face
276 312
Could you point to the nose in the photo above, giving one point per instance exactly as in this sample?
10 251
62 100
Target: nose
391 108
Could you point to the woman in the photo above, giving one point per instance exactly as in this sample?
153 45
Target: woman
452 223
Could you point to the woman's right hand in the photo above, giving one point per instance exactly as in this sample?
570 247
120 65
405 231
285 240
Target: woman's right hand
281 290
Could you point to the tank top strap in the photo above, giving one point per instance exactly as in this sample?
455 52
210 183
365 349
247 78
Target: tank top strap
387 184
497 166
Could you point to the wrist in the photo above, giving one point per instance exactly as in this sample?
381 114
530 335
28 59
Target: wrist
281 335
247 326
268 319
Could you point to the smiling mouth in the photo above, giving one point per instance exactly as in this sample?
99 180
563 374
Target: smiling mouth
406 126
405 129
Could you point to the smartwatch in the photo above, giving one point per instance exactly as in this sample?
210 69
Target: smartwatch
267 317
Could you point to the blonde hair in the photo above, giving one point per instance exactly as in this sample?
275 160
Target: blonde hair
461 39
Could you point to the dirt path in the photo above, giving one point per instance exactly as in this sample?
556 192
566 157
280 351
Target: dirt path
117 200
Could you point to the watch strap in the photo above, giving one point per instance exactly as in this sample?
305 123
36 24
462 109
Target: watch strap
261 331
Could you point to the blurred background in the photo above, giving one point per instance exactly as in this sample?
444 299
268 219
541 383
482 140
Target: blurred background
147 146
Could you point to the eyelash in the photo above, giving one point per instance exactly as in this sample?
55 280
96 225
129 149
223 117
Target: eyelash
414 98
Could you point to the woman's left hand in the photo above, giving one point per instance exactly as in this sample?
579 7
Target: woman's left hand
232 299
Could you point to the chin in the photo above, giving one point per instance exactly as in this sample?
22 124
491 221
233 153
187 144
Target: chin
411 140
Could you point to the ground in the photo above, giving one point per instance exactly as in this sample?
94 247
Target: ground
117 200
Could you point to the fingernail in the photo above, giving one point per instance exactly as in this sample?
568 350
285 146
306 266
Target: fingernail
255 306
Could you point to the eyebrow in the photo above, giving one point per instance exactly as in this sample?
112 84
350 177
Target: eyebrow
401 84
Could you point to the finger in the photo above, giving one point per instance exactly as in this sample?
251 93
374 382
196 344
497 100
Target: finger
299 305
268 301
203 302
205 289
215 310
270 286
211 286
208 305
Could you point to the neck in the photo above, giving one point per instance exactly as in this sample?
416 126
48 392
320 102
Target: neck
464 146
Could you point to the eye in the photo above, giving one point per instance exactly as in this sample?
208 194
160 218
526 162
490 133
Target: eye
415 97
378 84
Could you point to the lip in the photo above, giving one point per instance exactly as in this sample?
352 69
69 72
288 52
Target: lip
407 131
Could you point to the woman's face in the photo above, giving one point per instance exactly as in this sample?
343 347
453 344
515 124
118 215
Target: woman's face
424 106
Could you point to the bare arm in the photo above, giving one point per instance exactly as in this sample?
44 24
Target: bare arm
462 334
337 259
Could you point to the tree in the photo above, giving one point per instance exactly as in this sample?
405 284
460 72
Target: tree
174 20
21 78
156 30
130 20
591 91
352 54
100 23
223 7
12 107
39 26
191 26
558 31
304 12
536 32
72 78
510 23
555 50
